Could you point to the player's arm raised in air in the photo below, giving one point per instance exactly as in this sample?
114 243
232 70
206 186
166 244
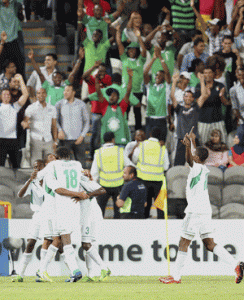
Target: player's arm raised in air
187 142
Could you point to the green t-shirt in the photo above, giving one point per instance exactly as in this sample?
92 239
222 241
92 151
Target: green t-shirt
54 93
194 80
122 91
137 66
93 53
157 99
92 24
168 54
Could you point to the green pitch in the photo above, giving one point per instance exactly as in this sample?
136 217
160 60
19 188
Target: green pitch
125 288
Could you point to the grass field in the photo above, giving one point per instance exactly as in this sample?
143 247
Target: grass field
132 287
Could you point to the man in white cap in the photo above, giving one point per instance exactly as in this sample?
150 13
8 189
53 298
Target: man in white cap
212 30
198 52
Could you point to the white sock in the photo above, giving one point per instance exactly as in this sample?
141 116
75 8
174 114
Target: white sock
43 254
51 252
180 262
94 255
225 255
24 262
70 259
90 266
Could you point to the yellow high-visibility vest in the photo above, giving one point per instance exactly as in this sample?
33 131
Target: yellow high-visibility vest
151 157
110 161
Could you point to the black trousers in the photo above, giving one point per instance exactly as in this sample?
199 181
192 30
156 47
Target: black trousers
180 158
10 147
153 189
131 215
103 200
77 150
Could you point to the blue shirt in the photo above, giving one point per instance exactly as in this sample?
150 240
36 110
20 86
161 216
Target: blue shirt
188 58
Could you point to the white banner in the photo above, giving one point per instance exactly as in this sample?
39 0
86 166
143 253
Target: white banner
138 247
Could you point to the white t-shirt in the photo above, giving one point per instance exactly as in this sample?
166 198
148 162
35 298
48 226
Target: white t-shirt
197 190
8 120
37 195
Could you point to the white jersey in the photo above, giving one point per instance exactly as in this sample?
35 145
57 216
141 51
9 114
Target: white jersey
197 190
37 196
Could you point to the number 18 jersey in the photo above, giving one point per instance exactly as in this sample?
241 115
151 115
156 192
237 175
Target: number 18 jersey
197 190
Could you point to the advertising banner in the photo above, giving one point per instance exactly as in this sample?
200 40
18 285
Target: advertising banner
4 263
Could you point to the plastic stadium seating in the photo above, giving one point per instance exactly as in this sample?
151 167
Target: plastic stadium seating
234 175
176 182
216 176
215 212
232 211
233 194
215 194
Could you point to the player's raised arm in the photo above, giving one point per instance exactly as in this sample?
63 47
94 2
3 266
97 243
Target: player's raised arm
187 142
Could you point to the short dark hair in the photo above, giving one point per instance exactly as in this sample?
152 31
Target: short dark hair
46 157
111 90
63 152
228 37
196 62
99 30
189 91
202 153
132 171
108 136
103 65
53 55
6 89
156 133
6 63
41 161
116 78
71 86
196 32
197 41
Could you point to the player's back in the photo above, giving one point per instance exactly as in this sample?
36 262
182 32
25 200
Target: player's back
68 173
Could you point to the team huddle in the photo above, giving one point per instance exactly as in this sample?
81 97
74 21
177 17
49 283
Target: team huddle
57 187
64 186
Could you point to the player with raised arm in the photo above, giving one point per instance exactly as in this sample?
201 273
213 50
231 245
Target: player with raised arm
198 219
33 188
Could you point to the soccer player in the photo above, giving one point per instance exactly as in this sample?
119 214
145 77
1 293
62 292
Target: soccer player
198 214
32 187
63 174
91 217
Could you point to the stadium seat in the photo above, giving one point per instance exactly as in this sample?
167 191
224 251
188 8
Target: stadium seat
234 175
215 212
216 176
6 193
215 194
116 65
6 173
233 194
232 211
176 178
22 211
22 175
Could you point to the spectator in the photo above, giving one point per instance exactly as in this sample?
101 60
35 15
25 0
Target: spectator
197 66
90 4
182 86
213 30
237 98
239 33
98 22
187 116
236 154
40 117
73 123
113 112
8 120
34 83
107 169
210 116
104 81
9 23
133 196
9 68
198 53
189 47
14 86
157 96
134 24
140 136
152 160
232 59
56 92
217 151
133 59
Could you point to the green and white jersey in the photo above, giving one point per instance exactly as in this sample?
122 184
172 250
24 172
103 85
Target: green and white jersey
197 190
37 195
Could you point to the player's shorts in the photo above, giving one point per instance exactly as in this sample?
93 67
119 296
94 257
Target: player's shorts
91 218
195 223
35 226
49 228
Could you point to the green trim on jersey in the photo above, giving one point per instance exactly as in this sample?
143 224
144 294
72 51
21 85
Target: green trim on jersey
195 180
49 191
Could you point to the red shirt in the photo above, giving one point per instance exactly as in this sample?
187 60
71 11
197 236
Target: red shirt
123 105
106 81
89 5
206 7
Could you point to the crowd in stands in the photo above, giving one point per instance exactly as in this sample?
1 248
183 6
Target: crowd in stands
181 62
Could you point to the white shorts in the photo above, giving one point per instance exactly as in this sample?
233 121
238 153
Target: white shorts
91 218
195 223
49 228
35 226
